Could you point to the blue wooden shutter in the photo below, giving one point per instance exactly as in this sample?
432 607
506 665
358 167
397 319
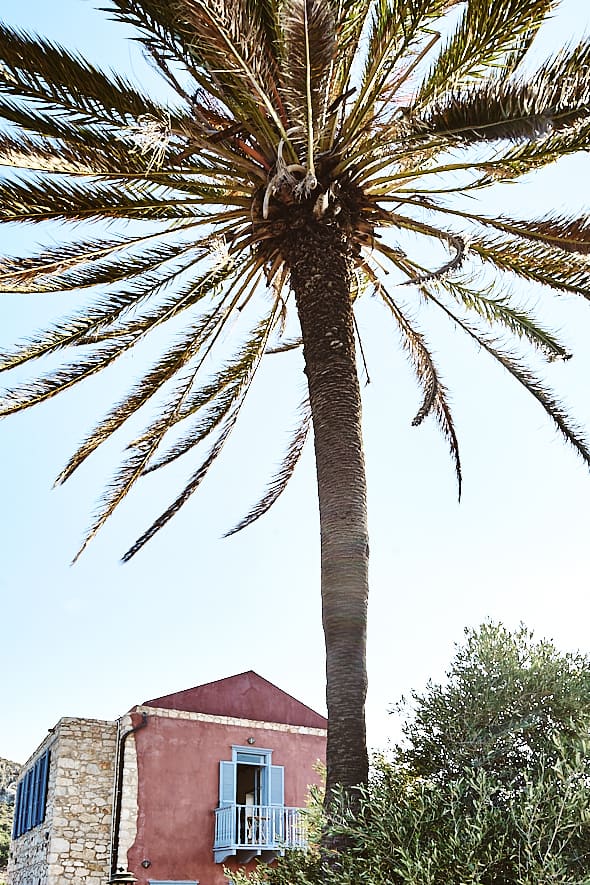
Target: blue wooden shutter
22 812
29 798
17 811
277 785
36 780
227 783
44 781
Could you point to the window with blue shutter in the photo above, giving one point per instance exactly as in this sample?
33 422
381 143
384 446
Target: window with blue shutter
250 778
31 797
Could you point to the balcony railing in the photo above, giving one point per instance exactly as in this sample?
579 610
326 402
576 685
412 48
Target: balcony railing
250 830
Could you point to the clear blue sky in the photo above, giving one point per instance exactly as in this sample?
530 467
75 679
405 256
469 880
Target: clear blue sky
96 638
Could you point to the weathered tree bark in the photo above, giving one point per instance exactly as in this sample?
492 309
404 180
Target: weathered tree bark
319 262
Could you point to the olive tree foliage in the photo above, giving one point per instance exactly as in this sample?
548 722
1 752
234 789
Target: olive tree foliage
506 698
503 799
5 828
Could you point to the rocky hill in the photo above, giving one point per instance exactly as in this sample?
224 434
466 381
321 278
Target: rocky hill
9 772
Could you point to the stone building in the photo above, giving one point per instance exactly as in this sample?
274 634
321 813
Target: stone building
179 788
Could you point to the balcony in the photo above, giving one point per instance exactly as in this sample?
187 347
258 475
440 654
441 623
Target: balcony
263 831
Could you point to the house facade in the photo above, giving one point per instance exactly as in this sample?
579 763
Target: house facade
175 791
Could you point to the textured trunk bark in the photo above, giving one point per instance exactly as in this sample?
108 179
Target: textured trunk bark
320 277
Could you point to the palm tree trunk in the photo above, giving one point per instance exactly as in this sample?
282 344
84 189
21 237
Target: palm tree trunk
319 262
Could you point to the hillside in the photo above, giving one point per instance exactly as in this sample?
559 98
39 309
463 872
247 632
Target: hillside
9 772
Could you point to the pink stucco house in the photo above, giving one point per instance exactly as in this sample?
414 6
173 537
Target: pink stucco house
180 788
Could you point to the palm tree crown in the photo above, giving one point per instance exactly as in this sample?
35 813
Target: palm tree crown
300 133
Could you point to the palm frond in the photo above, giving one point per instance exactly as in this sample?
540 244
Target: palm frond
526 377
60 146
498 308
552 98
131 470
220 394
103 321
143 448
39 155
542 250
190 488
224 42
157 23
309 46
568 233
532 155
33 68
398 31
206 464
44 199
488 33
166 368
535 261
87 264
434 392
286 470
40 389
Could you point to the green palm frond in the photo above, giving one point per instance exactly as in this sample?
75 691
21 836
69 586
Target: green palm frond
534 261
143 449
527 378
569 233
23 274
554 97
199 475
397 40
532 155
222 39
499 309
41 389
488 32
35 69
434 392
191 487
68 200
286 469
549 250
132 468
39 155
54 272
349 21
157 21
167 367
220 395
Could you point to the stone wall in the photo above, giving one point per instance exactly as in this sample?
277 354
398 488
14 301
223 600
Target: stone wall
72 844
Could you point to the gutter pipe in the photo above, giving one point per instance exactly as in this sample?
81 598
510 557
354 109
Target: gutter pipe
118 798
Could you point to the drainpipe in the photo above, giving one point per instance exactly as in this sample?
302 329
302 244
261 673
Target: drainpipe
118 795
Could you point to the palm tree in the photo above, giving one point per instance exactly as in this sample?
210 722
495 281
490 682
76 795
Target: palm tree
300 144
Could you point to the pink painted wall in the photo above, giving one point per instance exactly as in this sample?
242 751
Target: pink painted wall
178 768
